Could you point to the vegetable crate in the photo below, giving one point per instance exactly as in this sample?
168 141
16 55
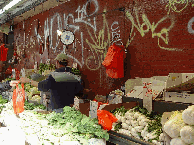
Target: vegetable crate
178 78
183 97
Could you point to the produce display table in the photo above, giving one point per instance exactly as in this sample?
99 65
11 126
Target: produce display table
30 127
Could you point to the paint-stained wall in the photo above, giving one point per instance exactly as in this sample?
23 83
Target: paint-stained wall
158 35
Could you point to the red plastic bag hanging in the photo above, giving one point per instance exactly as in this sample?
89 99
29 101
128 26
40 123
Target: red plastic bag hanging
106 119
18 99
114 61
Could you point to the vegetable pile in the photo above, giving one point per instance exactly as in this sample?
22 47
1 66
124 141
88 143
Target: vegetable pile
180 127
32 106
74 122
2 102
139 123
7 79
56 128
32 93
43 67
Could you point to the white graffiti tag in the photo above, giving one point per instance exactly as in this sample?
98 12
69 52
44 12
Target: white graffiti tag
46 32
190 23
59 22
115 33
82 14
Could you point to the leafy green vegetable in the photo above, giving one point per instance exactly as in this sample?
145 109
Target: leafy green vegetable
155 123
43 67
121 110
118 126
74 122
3 101
27 87
32 106
76 71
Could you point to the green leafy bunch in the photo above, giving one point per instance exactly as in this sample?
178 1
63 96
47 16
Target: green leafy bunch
27 87
155 123
118 126
73 121
32 106
2 100
43 67
121 110
76 71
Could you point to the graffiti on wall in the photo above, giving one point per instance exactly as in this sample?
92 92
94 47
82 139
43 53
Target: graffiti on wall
70 22
190 24
83 17
152 27
177 5
116 33
98 46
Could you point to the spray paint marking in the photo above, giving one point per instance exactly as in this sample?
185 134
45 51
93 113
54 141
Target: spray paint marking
174 3
59 22
190 23
82 47
115 33
152 27
46 32
82 14
99 46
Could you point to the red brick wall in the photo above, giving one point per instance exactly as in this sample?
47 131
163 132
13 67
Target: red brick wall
150 52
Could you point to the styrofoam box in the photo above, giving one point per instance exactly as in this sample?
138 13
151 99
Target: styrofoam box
179 97
134 88
178 78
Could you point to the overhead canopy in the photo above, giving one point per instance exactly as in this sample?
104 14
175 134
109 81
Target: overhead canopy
24 9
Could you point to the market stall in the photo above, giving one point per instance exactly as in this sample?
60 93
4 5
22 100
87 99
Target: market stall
113 119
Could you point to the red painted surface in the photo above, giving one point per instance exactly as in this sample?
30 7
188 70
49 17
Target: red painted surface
145 58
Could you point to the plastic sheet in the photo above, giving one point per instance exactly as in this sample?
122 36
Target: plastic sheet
106 119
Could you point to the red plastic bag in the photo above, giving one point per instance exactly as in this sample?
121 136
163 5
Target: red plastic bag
105 118
18 99
114 61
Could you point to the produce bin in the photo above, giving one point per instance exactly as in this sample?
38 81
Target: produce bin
159 105
120 139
